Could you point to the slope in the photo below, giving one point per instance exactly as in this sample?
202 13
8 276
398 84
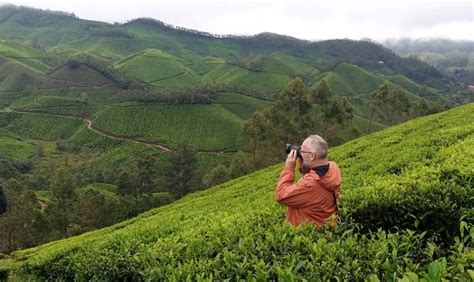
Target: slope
392 179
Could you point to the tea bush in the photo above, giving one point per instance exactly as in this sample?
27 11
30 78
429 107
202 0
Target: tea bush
407 205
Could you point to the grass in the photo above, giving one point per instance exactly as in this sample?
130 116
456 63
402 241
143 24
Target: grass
106 188
391 179
45 127
27 57
240 105
362 124
171 124
287 65
224 73
16 77
121 156
151 65
351 80
15 148
80 75
31 103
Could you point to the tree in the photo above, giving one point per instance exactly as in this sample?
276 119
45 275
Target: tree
289 120
423 92
218 174
398 105
98 209
146 169
16 224
240 165
322 95
180 172
64 196
7 168
263 140
127 186
291 114
420 108
377 99
333 112
337 116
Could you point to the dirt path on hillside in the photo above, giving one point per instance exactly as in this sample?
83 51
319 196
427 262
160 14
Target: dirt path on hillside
91 127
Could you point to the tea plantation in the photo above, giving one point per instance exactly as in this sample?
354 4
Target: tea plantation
407 209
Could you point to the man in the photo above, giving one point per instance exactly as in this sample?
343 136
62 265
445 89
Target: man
314 198
3 201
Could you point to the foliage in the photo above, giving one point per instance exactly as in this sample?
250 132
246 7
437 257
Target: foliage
21 219
293 117
236 230
180 172
15 148
62 189
170 124
45 127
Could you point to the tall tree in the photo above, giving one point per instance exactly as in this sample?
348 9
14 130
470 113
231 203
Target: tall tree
322 94
146 169
127 186
333 113
98 208
262 137
291 114
125 183
398 105
420 108
64 196
180 172
377 99
17 224
337 117
289 120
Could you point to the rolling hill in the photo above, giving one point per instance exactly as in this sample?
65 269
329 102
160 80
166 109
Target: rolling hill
407 208
48 53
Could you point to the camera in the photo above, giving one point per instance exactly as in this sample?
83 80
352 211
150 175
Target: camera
289 147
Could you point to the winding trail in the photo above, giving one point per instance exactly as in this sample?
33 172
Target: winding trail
90 126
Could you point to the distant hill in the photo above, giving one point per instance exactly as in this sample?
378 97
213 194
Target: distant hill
109 100
63 34
407 206
455 57
89 69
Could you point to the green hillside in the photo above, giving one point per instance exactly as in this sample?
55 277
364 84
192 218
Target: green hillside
240 105
285 65
152 65
169 124
407 206
15 148
79 75
350 80
34 59
45 127
48 53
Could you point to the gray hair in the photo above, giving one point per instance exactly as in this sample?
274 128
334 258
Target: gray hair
319 146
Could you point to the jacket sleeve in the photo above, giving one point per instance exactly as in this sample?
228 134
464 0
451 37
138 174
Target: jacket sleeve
291 194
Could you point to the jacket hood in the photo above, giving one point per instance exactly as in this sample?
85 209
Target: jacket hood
332 179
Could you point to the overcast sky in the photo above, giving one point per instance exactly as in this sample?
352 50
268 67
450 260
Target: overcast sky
311 20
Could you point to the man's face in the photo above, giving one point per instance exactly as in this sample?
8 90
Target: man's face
306 152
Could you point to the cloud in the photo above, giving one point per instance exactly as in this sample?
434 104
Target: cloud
302 19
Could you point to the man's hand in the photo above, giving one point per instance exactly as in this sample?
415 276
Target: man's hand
291 159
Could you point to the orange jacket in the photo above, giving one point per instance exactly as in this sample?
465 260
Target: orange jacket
312 198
